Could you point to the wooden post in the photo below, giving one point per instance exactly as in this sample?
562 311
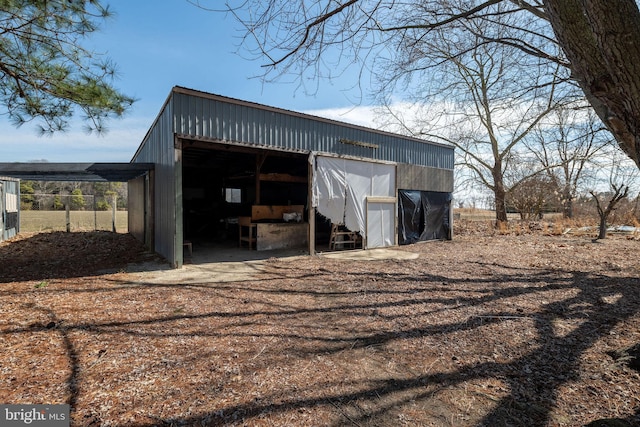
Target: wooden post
260 158
113 216
311 209
67 208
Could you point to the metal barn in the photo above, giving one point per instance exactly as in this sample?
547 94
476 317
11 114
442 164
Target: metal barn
235 173
9 207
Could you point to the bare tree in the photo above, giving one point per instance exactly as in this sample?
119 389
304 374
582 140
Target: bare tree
531 190
566 144
531 197
41 189
620 178
599 41
605 208
480 105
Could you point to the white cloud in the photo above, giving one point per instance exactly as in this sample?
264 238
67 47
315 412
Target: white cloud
358 115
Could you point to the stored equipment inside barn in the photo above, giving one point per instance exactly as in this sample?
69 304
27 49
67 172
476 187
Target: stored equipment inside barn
235 173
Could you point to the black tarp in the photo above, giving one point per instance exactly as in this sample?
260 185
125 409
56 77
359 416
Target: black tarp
10 221
424 215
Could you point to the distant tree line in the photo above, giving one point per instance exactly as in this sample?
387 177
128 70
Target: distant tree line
539 196
48 195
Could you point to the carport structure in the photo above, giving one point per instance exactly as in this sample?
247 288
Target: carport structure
12 173
224 167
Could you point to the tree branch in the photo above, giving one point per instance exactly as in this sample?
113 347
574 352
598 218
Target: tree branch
308 29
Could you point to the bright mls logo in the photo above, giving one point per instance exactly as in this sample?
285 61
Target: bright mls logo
34 415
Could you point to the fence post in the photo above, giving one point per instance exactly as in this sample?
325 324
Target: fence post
113 216
67 208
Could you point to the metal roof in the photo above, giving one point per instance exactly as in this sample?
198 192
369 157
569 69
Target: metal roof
194 115
94 172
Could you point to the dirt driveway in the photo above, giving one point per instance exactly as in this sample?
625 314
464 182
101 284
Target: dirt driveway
481 331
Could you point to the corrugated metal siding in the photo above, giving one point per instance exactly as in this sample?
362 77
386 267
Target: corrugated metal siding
411 177
136 199
218 118
191 114
9 208
158 148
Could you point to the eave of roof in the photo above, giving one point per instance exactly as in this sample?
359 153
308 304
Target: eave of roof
93 172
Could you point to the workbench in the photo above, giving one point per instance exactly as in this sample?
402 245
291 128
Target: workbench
266 229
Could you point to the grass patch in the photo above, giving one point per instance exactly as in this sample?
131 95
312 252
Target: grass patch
37 221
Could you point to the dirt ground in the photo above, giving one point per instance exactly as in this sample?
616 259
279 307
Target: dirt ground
512 329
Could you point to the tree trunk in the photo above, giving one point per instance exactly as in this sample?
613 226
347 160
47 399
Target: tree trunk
602 42
602 233
501 198
567 204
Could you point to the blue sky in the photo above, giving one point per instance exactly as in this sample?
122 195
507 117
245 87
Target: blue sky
161 44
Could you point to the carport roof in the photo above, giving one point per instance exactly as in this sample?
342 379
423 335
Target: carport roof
96 172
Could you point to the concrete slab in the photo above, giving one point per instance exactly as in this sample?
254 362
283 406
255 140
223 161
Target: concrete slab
211 271
220 272
371 254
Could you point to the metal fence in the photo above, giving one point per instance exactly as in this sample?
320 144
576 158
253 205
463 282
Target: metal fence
69 212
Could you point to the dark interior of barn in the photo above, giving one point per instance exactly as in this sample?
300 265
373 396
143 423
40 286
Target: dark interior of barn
222 183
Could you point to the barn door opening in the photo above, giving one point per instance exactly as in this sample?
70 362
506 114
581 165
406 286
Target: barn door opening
359 195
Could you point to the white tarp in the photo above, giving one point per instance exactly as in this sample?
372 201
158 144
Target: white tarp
380 224
11 202
341 188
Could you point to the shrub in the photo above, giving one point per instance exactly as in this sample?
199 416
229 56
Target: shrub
57 204
102 205
77 199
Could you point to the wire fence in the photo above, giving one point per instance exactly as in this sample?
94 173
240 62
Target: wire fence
72 212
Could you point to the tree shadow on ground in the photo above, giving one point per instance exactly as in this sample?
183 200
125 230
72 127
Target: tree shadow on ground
597 302
534 378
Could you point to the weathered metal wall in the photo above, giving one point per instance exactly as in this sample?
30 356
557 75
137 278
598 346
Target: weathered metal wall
412 177
135 203
158 147
189 114
9 208
203 115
